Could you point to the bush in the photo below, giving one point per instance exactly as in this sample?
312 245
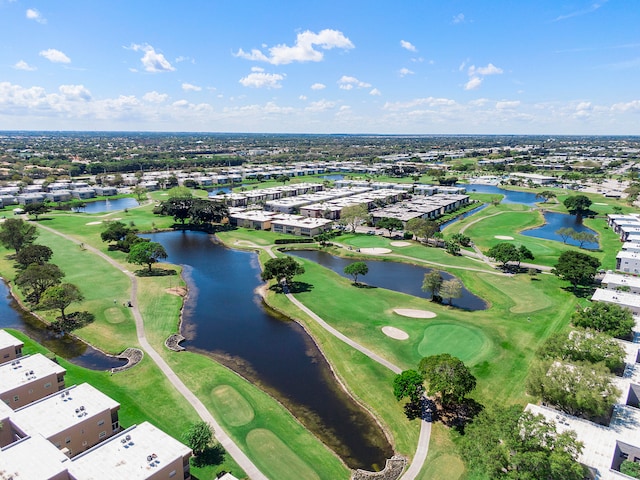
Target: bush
408 236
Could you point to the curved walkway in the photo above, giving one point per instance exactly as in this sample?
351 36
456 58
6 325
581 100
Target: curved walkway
422 448
238 455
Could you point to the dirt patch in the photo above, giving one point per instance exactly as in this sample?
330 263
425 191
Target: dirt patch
179 291
503 237
400 244
395 333
261 290
408 312
93 223
375 251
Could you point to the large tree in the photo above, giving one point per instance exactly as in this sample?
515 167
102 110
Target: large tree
390 224
504 253
146 253
451 289
577 205
584 345
198 437
447 376
177 207
432 282
35 279
565 233
354 215
281 268
546 195
207 211
584 237
605 317
409 384
39 254
422 228
506 443
524 254
36 209
580 389
576 267
60 297
356 269
15 233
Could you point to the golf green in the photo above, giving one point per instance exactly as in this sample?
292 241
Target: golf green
466 343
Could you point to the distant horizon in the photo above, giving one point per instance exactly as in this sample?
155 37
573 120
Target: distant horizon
403 68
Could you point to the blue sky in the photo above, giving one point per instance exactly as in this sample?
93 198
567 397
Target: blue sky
349 66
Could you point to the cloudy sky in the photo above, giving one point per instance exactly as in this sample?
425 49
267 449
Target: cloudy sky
305 66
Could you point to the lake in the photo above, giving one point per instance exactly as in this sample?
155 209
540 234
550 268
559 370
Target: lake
555 221
224 317
510 196
399 277
102 206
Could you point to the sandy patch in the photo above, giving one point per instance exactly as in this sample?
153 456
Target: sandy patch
179 291
375 251
400 244
503 237
408 312
261 290
596 203
93 223
395 333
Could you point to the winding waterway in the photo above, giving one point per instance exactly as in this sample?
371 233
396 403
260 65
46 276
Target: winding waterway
65 346
225 317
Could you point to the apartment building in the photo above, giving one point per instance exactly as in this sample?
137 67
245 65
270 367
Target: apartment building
29 378
10 347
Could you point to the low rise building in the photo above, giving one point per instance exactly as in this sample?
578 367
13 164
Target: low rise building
628 261
615 281
28 379
623 299
10 347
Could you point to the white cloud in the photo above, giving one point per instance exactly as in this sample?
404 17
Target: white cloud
419 102
320 106
633 107
55 56
408 46
507 104
152 61
459 18
405 71
490 69
479 102
261 79
33 14
303 50
318 86
595 5
375 92
22 65
188 87
473 83
347 83
302 97
155 97
75 92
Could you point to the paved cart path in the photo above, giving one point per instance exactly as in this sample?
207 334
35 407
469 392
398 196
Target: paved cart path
229 445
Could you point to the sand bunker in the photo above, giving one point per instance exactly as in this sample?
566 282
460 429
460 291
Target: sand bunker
395 333
93 223
408 312
503 237
400 244
596 203
375 251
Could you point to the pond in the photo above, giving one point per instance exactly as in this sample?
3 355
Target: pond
65 346
555 221
102 206
332 177
510 196
225 317
399 277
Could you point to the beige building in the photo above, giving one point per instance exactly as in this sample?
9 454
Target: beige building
140 452
74 420
10 347
33 458
30 378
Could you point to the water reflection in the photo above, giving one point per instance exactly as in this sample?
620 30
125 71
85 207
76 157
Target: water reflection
225 317
102 206
65 346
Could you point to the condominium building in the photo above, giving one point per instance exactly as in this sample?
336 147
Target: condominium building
10 347
29 378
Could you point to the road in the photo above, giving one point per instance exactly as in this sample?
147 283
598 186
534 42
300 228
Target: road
229 445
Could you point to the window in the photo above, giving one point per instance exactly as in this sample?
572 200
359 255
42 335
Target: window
172 473
100 423
102 434
67 440
16 398
624 455
47 385
6 355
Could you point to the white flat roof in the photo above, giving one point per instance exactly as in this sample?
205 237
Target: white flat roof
303 222
618 279
599 441
32 458
63 410
628 254
8 340
114 459
18 372
613 296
